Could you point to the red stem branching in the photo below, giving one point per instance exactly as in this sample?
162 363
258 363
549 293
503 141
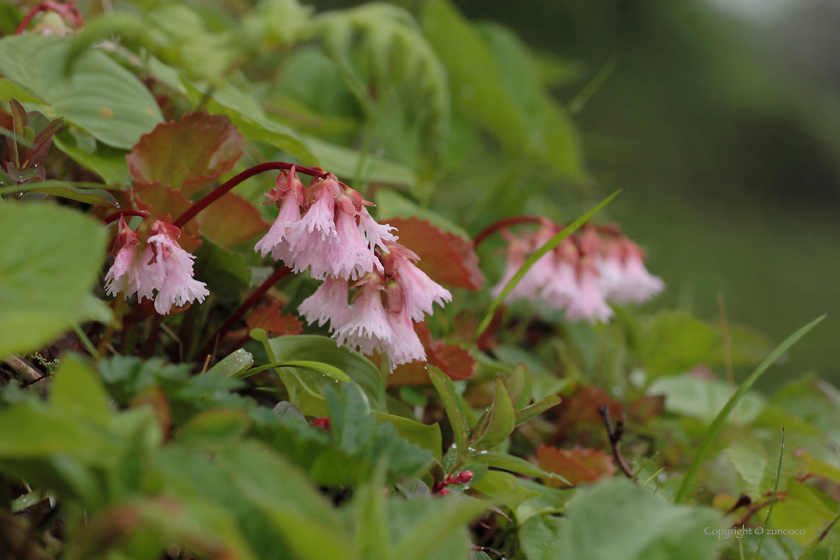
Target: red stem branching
193 210
615 437
117 215
502 224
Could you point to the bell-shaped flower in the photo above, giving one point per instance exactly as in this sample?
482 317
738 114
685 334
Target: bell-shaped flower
329 303
589 303
290 196
405 345
420 292
367 329
176 266
633 283
129 274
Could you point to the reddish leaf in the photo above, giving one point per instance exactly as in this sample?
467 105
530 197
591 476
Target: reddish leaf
186 155
268 318
578 466
447 258
646 408
582 408
165 204
231 220
451 359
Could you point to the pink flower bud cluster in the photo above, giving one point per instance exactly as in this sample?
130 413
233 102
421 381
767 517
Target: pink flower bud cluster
582 274
327 229
440 487
159 264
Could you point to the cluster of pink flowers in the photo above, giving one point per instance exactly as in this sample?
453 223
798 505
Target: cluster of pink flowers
327 229
582 274
159 264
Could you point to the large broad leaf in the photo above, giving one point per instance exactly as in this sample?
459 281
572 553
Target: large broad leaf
187 154
675 343
231 220
103 160
641 526
50 259
578 466
749 458
540 537
325 350
78 393
99 96
694 396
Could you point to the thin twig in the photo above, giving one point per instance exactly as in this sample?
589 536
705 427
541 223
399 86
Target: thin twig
615 438
29 373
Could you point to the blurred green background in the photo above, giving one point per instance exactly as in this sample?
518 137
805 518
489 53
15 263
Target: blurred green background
722 120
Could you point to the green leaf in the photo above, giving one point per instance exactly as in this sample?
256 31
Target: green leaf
536 409
444 519
214 429
226 272
29 432
519 387
805 508
312 348
96 197
540 537
232 364
103 160
675 343
10 89
51 258
100 96
749 458
421 435
511 463
773 499
550 500
529 262
504 488
501 419
815 544
324 369
78 393
695 397
249 118
640 526
719 421
345 161
454 411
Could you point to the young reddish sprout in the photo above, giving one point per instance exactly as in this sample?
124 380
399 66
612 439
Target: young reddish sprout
440 487
581 274
322 422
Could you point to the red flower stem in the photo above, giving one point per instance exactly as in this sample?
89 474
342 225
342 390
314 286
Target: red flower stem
507 222
193 210
116 215
64 10
252 300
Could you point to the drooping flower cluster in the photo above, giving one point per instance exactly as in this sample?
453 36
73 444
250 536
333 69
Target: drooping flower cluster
327 229
582 274
159 265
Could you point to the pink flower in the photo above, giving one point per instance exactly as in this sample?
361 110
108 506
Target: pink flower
290 192
420 292
128 273
367 328
628 281
405 345
376 234
176 266
562 288
327 304
349 255
589 303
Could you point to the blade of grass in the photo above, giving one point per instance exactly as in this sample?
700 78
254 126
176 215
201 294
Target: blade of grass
719 420
815 544
773 499
529 262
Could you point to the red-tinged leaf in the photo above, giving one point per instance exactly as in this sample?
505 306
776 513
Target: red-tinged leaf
645 408
269 319
41 144
231 220
578 466
186 155
446 257
452 359
165 204
582 407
